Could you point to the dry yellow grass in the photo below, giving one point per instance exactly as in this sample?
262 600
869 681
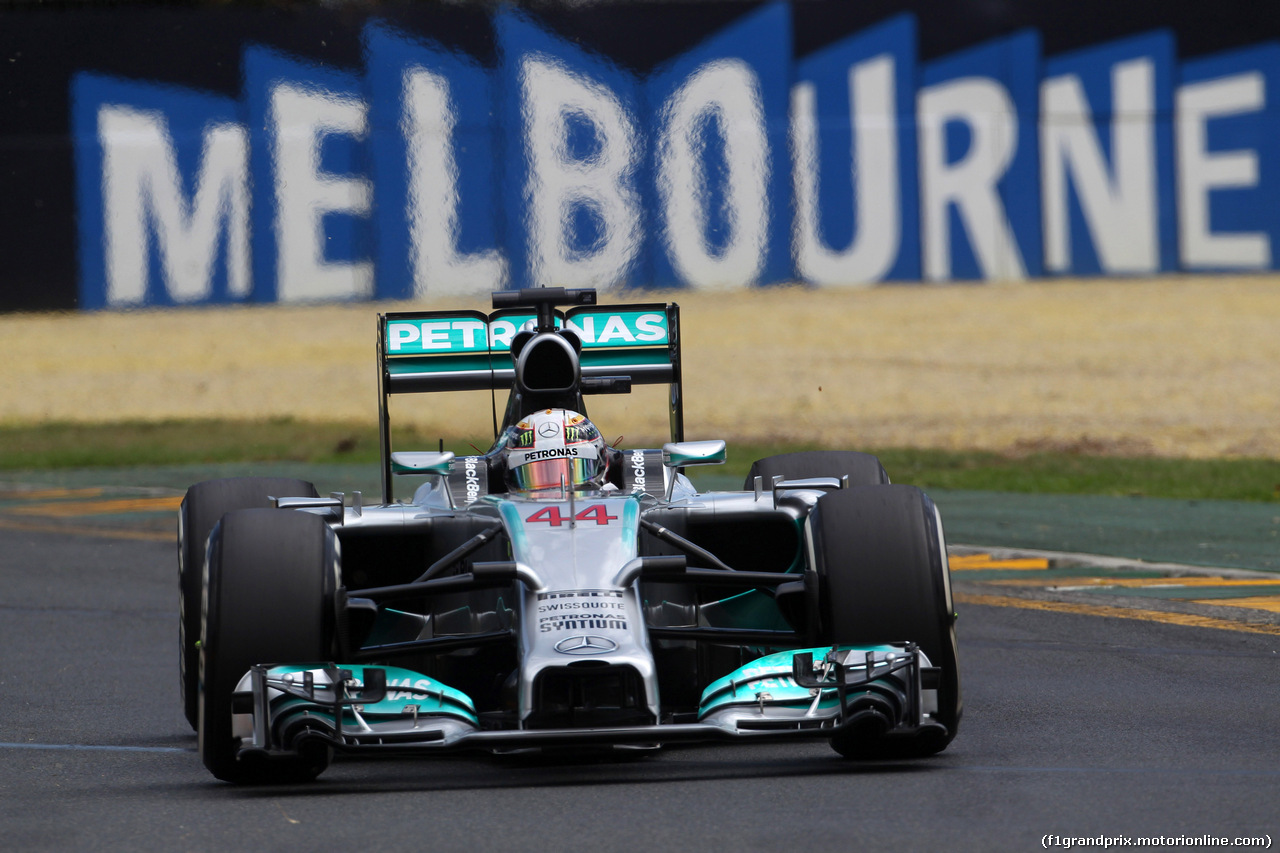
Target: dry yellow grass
1180 367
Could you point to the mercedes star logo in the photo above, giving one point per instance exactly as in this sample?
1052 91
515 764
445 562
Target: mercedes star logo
586 646
549 429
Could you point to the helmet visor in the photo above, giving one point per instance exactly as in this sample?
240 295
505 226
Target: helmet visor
550 473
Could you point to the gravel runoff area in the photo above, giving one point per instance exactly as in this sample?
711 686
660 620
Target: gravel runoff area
1183 366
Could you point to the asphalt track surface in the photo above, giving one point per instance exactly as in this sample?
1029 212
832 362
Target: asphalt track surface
1075 725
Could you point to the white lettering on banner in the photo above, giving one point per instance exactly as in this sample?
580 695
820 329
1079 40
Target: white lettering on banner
650 327
873 170
399 334
469 328
438 266
435 335
407 337
1120 210
971 184
300 118
169 198
615 330
142 189
727 88
500 334
1201 171
585 327
558 183
438 336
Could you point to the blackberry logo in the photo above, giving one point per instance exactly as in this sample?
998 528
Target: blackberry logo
638 469
471 474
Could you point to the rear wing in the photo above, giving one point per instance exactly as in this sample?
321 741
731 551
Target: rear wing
426 351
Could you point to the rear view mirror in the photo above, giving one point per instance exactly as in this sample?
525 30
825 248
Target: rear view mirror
421 462
678 454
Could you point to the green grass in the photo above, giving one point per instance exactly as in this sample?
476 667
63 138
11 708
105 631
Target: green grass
1066 473
66 445
1063 473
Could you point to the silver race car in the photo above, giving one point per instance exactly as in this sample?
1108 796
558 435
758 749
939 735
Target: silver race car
555 591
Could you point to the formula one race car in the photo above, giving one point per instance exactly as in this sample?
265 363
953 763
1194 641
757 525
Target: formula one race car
556 591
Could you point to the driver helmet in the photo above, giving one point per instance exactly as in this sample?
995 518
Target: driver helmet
555 446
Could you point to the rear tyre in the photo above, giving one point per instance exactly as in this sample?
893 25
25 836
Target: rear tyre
863 468
268 597
204 504
880 556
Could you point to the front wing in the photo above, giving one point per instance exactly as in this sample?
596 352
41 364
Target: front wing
881 692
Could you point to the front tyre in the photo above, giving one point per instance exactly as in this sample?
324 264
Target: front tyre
201 508
881 560
267 597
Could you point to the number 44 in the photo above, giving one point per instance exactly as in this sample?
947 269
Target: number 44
551 515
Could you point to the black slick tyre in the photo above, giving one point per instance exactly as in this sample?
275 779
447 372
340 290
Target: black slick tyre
268 597
881 561
203 505
863 468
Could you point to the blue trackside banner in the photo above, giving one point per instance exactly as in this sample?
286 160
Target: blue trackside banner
722 161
